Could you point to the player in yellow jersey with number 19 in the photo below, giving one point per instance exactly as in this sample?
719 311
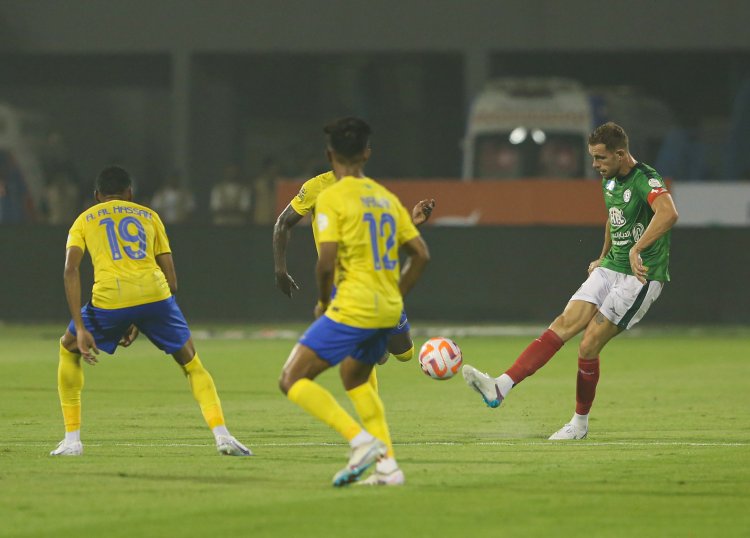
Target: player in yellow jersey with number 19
360 227
134 279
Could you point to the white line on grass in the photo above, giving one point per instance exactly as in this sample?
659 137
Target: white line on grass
417 443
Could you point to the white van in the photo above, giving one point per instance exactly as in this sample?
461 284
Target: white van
539 127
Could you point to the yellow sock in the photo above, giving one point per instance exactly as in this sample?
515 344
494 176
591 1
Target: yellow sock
373 380
406 355
321 404
204 391
370 409
69 387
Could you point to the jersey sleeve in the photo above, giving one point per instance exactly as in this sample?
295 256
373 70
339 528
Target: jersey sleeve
651 187
327 218
161 242
406 229
306 197
76 237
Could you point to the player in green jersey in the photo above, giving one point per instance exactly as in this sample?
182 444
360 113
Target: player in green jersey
624 281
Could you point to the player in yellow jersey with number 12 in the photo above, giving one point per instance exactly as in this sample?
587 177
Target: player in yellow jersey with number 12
134 279
360 227
400 344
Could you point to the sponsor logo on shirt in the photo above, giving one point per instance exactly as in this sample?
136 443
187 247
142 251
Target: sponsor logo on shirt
620 239
610 186
301 194
322 221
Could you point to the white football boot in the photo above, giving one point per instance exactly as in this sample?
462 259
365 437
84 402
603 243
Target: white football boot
394 478
68 448
484 385
362 458
569 432
229 446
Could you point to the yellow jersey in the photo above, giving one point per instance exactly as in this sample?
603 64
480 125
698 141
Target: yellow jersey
123 239
304 202
369 223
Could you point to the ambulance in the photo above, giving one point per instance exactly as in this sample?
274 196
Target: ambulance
538 127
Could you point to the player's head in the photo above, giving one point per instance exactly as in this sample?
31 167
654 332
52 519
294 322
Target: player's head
611 135
608 147
114 182
348 141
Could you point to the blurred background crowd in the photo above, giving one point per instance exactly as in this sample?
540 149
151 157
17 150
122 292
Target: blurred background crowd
211 106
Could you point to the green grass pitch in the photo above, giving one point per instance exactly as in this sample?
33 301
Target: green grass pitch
668 452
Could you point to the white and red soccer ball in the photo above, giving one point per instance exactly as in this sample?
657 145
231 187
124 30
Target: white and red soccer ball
440 358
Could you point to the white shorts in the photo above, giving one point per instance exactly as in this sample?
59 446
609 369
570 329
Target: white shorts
621 298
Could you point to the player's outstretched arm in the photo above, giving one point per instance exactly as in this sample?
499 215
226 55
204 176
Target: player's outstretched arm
166 264
282 231
72 280
422 211
418 257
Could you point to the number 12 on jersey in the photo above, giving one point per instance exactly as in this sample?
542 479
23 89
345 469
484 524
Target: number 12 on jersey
384 229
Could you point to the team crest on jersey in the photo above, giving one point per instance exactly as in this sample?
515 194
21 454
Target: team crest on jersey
322 221
616 218
626 195
653 182
610 186
638 230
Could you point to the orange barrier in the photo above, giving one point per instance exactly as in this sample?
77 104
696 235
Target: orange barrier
507 202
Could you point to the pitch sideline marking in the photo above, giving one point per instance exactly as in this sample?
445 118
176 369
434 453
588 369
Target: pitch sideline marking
425 443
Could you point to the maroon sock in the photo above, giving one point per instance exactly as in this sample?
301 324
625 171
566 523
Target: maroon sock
535 356
588 377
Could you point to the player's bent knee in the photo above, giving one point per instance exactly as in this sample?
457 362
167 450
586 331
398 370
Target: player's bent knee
590 346
69 342
284 385
398 344
287 381
566 326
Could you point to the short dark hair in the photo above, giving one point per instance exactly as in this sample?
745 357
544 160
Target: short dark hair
348 137
611 135
113 180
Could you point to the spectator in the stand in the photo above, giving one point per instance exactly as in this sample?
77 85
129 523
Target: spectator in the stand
56 158
173 201
231 199
264 191
15 202
61 199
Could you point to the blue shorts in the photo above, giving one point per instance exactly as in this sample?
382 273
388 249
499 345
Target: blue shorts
402 327
333 341
162 322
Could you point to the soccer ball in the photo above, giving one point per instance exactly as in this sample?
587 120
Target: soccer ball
440 358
